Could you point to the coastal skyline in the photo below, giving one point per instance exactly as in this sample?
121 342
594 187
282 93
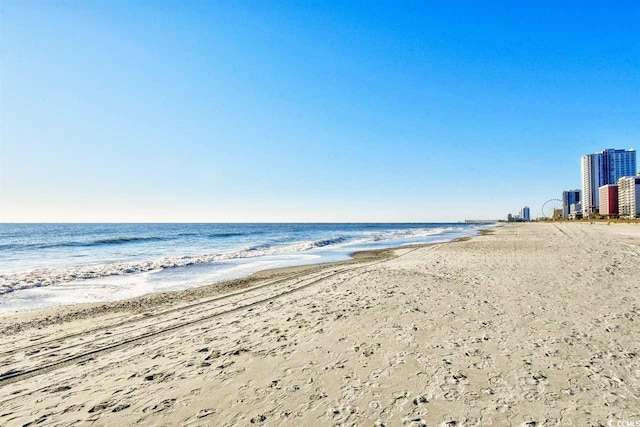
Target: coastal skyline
286 111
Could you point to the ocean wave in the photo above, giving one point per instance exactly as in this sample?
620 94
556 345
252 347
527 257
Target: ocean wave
119 240
412 233
97 242
229 234
328 242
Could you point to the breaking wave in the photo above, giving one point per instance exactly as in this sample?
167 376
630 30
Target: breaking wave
50 276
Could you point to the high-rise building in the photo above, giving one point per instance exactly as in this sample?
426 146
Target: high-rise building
575 210
629 197
569 198
608 195
525 214
604 168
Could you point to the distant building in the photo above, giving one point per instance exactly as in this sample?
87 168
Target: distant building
570 197
525 214
514 218
629 197
608 195
575 210
604 168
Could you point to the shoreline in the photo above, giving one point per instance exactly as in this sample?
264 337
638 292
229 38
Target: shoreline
63 313
88 254
528 324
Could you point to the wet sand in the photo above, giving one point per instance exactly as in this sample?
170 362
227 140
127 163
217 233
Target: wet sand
532 324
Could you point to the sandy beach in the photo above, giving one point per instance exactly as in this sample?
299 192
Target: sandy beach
530 324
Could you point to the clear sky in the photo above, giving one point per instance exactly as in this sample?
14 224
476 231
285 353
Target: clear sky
307 110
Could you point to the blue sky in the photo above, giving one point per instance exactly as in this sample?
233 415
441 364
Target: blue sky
305 110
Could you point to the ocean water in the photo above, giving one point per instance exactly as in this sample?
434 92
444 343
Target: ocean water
47 265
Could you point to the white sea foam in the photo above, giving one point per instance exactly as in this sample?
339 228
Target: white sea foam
49 276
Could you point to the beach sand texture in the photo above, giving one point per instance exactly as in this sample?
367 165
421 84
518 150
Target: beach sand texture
531 324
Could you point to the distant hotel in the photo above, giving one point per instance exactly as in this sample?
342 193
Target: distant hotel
608 195
524 215
604 168
629 197
571 203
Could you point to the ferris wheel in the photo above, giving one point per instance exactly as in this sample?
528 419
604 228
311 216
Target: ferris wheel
550 206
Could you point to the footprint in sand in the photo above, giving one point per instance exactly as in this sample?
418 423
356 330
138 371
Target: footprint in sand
159 376
400 400
100 407
73 408
163 406
205 412
120 407
258 419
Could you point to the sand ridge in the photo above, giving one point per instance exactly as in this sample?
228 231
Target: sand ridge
534 324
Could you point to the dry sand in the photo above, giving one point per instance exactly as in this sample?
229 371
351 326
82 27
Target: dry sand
533 324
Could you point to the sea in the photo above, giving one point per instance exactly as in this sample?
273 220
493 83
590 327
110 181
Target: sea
49 265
